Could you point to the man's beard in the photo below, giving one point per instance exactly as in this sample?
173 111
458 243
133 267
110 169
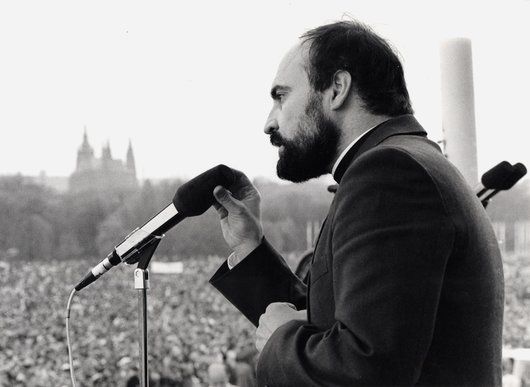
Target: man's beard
310 153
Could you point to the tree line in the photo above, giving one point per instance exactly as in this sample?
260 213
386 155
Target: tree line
37 222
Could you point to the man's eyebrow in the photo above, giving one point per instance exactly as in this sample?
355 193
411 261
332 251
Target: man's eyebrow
276 90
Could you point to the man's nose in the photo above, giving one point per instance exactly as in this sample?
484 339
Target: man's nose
271 125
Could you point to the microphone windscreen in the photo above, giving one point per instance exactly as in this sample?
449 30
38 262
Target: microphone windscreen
519 170
498 177
196 196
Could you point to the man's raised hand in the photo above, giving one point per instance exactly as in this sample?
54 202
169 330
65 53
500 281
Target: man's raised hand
239 212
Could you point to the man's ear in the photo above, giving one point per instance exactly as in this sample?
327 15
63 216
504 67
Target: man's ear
340 89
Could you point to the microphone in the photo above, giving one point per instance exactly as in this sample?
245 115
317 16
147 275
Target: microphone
495 178
503 183
518 171
192 198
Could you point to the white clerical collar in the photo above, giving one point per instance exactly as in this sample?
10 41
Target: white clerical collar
336 165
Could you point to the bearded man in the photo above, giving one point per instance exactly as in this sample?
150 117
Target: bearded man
406 283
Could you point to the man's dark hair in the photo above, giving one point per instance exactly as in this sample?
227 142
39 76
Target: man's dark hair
376 71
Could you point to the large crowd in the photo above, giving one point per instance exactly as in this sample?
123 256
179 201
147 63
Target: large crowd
190 324
517 301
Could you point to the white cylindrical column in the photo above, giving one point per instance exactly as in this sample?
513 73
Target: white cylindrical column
458 106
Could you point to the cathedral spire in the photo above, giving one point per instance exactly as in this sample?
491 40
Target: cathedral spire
105 152
131 165
85 154
85 145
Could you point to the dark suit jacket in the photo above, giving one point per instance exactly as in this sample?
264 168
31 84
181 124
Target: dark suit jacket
406 284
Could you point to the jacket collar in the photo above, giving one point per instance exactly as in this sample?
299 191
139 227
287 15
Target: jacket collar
400 125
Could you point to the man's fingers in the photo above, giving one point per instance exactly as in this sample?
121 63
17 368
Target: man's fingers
226 200
301 314
260 344
262 333
243 189
242 182
263 326
279 306
223 213
276 314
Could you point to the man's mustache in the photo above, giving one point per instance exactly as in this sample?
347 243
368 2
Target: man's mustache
276 139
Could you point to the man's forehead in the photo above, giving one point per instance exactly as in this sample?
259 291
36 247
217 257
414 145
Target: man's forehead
292 65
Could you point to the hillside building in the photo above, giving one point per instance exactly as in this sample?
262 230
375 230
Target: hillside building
102 174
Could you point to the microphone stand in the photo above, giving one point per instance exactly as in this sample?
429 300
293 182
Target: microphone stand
141 283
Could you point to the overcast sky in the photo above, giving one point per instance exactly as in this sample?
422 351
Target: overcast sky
188 82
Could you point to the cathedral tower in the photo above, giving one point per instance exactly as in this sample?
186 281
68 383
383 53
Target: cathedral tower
131 165
103 174
85 154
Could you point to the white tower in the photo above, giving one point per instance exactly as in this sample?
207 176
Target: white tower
458 106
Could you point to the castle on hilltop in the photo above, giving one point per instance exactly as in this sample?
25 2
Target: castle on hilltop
104 173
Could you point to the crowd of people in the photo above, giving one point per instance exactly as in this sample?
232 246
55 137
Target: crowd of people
191 326
517 301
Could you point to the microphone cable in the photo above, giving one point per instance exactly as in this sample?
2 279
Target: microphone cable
70 360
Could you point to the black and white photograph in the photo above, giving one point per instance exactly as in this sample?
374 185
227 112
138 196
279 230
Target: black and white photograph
264 193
